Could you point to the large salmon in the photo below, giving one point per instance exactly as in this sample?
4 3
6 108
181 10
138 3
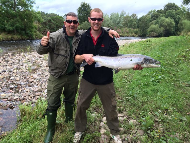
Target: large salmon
126 61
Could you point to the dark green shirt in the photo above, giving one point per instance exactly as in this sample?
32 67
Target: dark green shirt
70 67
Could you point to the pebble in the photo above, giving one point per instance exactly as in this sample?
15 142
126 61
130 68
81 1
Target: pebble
22 76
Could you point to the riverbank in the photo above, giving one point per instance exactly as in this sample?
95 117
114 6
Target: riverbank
24 77
156 100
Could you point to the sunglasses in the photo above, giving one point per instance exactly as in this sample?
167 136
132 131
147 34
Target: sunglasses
70 21
94 19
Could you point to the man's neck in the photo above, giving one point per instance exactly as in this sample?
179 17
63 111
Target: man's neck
95 34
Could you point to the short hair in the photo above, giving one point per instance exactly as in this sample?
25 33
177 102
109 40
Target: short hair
96 10
71 14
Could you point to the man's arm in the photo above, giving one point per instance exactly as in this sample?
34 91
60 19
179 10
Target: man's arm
79 59
110 32
87 57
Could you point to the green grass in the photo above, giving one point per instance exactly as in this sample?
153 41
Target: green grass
157 98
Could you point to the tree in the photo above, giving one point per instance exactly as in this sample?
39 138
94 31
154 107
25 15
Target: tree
168 26
130 21
84 26
143 24
186 2
185 26
106 22
171 6
83 12
174 12
18 17
154 14
154 31
117 19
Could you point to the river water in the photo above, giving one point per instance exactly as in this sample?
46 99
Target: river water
8 115
28 45
18 46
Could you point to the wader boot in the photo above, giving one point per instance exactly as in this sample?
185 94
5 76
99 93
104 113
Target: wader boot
68 112
51 119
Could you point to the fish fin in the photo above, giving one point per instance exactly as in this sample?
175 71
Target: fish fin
83 64
116 70
119 54
97 65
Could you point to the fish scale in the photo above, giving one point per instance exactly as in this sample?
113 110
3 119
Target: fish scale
126 61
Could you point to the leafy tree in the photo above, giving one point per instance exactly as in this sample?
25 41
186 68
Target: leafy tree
154 31
154 14
126 21
171 6
184 26
173 11
83 12
175 15
84 26
168 26
18 16
186 2
107 21
130 21
117 19
143 24
51 22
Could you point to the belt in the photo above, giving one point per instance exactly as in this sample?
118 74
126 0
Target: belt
70 73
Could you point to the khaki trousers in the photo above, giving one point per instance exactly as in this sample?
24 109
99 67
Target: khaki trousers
107 96
67 85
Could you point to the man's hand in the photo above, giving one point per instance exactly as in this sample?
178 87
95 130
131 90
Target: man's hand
137 67
88 58
112 32
45 39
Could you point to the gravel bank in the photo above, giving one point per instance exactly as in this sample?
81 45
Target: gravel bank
123 42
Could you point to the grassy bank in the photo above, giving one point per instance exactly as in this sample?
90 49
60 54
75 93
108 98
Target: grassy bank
157 98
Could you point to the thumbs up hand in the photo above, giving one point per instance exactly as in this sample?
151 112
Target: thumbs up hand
48 34
45 39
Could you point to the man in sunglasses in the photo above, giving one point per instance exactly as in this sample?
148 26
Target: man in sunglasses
64 73
96 41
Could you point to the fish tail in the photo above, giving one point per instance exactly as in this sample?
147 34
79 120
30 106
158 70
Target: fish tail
83 64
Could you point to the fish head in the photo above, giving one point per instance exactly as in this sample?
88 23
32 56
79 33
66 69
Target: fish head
150 62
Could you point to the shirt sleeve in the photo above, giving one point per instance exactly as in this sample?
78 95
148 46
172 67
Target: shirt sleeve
113 48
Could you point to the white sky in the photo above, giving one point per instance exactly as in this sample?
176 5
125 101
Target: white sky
139 7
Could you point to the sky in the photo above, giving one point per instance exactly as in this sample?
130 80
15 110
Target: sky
138 7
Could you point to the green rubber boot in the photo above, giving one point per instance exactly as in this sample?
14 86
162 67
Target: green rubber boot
68 112
51 119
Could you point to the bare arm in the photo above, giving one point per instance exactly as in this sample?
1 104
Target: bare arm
79 59
87 57
110 32
113 32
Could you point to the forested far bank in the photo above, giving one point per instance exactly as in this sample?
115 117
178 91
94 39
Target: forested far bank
19 21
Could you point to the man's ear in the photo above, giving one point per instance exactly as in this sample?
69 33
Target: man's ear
89 19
